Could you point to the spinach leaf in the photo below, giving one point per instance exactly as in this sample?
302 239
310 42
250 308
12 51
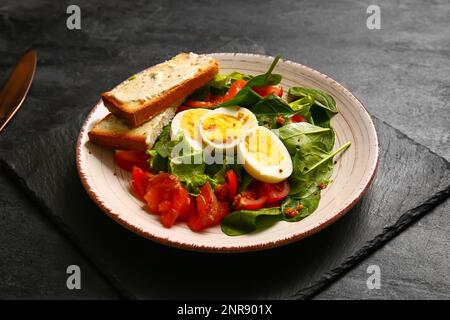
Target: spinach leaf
267 78
295 135
246 221
272 111
305 206
309 147
313 166
321 98
245 98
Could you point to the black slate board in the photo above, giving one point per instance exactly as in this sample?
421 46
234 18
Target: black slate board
410 181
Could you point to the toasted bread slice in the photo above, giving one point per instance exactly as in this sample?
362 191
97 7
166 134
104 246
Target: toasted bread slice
151 91
113 132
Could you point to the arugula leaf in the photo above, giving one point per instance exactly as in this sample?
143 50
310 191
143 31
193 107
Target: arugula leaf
267 78
321 98
246 221
245 98
305 206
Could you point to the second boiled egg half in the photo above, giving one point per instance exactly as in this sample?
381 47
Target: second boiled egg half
264 156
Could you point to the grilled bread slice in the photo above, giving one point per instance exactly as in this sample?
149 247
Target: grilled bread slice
151 91
114 132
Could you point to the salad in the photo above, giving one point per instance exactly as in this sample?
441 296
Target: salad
238 155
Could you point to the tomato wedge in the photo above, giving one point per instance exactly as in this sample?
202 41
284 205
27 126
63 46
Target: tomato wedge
276 191
139 181
227 190
127 159
264 91
213 101
210 211
237 86
252 198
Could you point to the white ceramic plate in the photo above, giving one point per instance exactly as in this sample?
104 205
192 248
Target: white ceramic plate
108 185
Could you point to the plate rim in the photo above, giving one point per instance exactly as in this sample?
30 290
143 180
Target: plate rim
232 249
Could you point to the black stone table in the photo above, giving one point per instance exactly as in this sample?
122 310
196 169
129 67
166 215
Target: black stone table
400 72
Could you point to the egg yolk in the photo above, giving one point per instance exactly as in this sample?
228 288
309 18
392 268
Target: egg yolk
223 127
262 148
191 120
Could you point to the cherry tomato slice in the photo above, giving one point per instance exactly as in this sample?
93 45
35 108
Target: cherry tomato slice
237 86
252 198
264 91
276 191
200 104
298 118
127 159
227 190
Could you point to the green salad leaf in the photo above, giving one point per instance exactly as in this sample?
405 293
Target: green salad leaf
313 166
222 82
267 78
304 206
294 135
272 111
245 98
321 98
245 221
310 148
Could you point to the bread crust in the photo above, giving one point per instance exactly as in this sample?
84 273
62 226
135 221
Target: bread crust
160 103
118 141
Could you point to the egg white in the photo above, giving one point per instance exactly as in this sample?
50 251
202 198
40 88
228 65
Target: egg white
176 129
261 171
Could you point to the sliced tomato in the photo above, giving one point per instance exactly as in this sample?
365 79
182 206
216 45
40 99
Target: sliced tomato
213 101
297 118
264 91
139 181
210 211
182 108
252 198
237 86
227 190
167 198
276 191
200 104
127 159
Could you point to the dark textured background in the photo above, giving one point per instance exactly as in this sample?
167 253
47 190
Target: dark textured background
400 73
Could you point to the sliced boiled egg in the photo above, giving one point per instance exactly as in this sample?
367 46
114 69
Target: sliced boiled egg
223 128
264 156
187 123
